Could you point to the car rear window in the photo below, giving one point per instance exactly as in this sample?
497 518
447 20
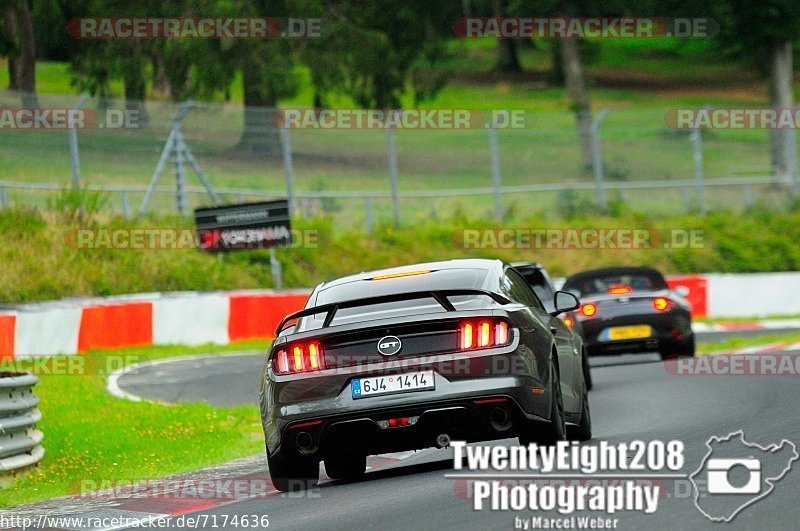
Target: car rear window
537 281
435 280
602 283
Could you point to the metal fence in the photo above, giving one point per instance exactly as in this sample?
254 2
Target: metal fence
20 441
182 156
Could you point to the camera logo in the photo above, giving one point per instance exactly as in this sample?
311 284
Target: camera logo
720 483
735 474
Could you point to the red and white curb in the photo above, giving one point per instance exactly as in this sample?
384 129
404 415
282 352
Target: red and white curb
739 326
758 349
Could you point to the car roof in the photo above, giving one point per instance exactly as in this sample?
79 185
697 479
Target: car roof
460 263
617 270
527 265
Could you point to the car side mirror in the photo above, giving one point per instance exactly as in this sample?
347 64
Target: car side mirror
682 291
564 301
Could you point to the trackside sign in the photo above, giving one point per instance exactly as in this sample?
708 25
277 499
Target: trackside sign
259 225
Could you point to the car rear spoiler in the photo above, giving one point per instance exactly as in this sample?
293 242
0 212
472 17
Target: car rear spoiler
441 296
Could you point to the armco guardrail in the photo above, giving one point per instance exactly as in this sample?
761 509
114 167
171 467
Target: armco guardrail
20 441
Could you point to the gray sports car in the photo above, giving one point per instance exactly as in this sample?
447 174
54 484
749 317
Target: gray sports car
409 357
630 309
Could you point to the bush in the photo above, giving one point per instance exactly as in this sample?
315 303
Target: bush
40 263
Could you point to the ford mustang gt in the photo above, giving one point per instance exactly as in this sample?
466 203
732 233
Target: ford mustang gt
630 309
410 357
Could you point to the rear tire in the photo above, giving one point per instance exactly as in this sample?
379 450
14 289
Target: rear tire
684 349
583 431
548 434
346 466
587 371
292 474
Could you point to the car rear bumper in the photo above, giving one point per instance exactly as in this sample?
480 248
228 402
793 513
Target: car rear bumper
668 329
487 412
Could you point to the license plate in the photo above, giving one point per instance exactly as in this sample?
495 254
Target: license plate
396 383
629 332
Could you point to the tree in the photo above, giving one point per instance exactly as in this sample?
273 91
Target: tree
764 34
507 53
21 43
8 43
378 52
268 67
575 84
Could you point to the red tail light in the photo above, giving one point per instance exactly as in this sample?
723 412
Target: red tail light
589 310
483 333
299 357
619 290
466 336
662 304
501 333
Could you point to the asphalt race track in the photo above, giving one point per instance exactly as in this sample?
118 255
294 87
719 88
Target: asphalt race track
232 379
635 397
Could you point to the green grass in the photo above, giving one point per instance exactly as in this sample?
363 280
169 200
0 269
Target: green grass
744 319
705 348
661 74
44 264
90 435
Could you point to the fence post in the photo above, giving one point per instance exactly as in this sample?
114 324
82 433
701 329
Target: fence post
73 144
748 196
275 269
3 198
288 165
368 215
791 148
392 154
124 201
597 160
180 182
687 199
494 155
697 155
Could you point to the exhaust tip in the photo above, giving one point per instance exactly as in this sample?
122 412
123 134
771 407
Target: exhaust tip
500 419
443 440
304 441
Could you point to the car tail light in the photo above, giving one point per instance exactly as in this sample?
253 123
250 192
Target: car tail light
589 310
399 422
501 333
481 334
619 290
401 275
484 334
569 321
300 357
466 336
662 304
